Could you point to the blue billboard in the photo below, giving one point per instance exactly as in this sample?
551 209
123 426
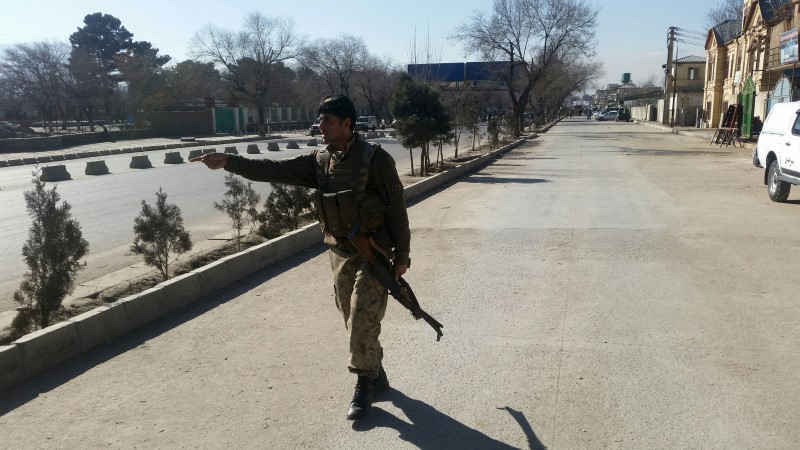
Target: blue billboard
485 70
437 72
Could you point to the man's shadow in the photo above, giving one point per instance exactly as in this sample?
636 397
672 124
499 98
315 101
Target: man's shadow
430 429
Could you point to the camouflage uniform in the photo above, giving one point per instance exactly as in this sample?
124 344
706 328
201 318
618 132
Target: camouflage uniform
362 300
359 296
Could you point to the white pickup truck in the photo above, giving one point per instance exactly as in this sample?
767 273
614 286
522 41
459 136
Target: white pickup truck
778 150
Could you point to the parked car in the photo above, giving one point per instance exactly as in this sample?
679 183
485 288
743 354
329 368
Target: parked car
365 123
778 150
623 115
607 115
314 128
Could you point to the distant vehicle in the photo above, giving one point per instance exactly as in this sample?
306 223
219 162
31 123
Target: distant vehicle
365 123
778 150
608 115
314 128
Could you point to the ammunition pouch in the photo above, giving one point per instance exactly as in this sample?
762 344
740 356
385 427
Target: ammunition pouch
339 211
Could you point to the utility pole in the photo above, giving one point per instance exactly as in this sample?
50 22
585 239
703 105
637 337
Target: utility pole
669 84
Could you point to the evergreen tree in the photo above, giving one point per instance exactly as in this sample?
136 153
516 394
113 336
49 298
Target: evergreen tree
240 205
421 119
158 233
52 252
284 210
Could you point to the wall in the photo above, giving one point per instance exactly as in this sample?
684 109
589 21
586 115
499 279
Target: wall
182 123
13 145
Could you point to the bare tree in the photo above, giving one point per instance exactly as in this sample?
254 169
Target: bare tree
651 80
532 35
37 71
725 10
248 57
336 60
376 82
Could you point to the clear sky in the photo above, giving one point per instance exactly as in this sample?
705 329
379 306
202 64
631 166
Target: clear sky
631 36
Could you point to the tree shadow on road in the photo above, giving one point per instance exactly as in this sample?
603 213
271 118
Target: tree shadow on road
430 429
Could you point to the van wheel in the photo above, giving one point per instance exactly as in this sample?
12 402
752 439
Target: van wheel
778 190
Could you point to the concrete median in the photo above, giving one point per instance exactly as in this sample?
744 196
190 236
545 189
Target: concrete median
48 347
195 153
96 168
273 147
181 290
209 150
252 149
292 145
100 325
312 143
213 277
55 173
144 307
12 370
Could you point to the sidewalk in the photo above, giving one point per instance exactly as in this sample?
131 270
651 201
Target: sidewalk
705 134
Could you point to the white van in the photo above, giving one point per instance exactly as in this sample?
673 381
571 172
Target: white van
365 123
778 150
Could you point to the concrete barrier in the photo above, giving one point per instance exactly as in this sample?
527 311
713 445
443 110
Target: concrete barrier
213 277
239 265
70 156
144 307
187 139
29 161
292 145
173 158
209 150
93 154
116 151
392 134
57 158
48 347
14 162
140 162
181 290
3 164
252 149
312 142
195 153
55 173
231 150
105 152
382 134
100 325
96 168
12 369
273 147
43 159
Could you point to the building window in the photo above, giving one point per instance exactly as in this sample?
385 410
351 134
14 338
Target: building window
692 73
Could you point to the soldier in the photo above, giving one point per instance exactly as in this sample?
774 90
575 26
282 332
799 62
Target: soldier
355 182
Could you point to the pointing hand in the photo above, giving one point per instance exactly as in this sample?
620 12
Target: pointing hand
212 160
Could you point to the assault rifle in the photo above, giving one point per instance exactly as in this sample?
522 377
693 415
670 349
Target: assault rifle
383 269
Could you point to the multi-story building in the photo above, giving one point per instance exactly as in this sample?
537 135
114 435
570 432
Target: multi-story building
752 63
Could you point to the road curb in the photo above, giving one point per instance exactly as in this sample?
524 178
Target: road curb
36 352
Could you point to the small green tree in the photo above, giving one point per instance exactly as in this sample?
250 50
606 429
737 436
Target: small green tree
158 233
284 209
421 119
240 205
52 252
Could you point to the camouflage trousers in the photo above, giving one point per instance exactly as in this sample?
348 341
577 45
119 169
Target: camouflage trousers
362 300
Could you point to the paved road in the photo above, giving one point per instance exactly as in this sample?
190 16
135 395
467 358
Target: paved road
106 205
605 286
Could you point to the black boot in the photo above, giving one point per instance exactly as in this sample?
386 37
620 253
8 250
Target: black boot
381 383
362 399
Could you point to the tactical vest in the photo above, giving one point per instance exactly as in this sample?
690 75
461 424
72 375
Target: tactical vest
341 199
